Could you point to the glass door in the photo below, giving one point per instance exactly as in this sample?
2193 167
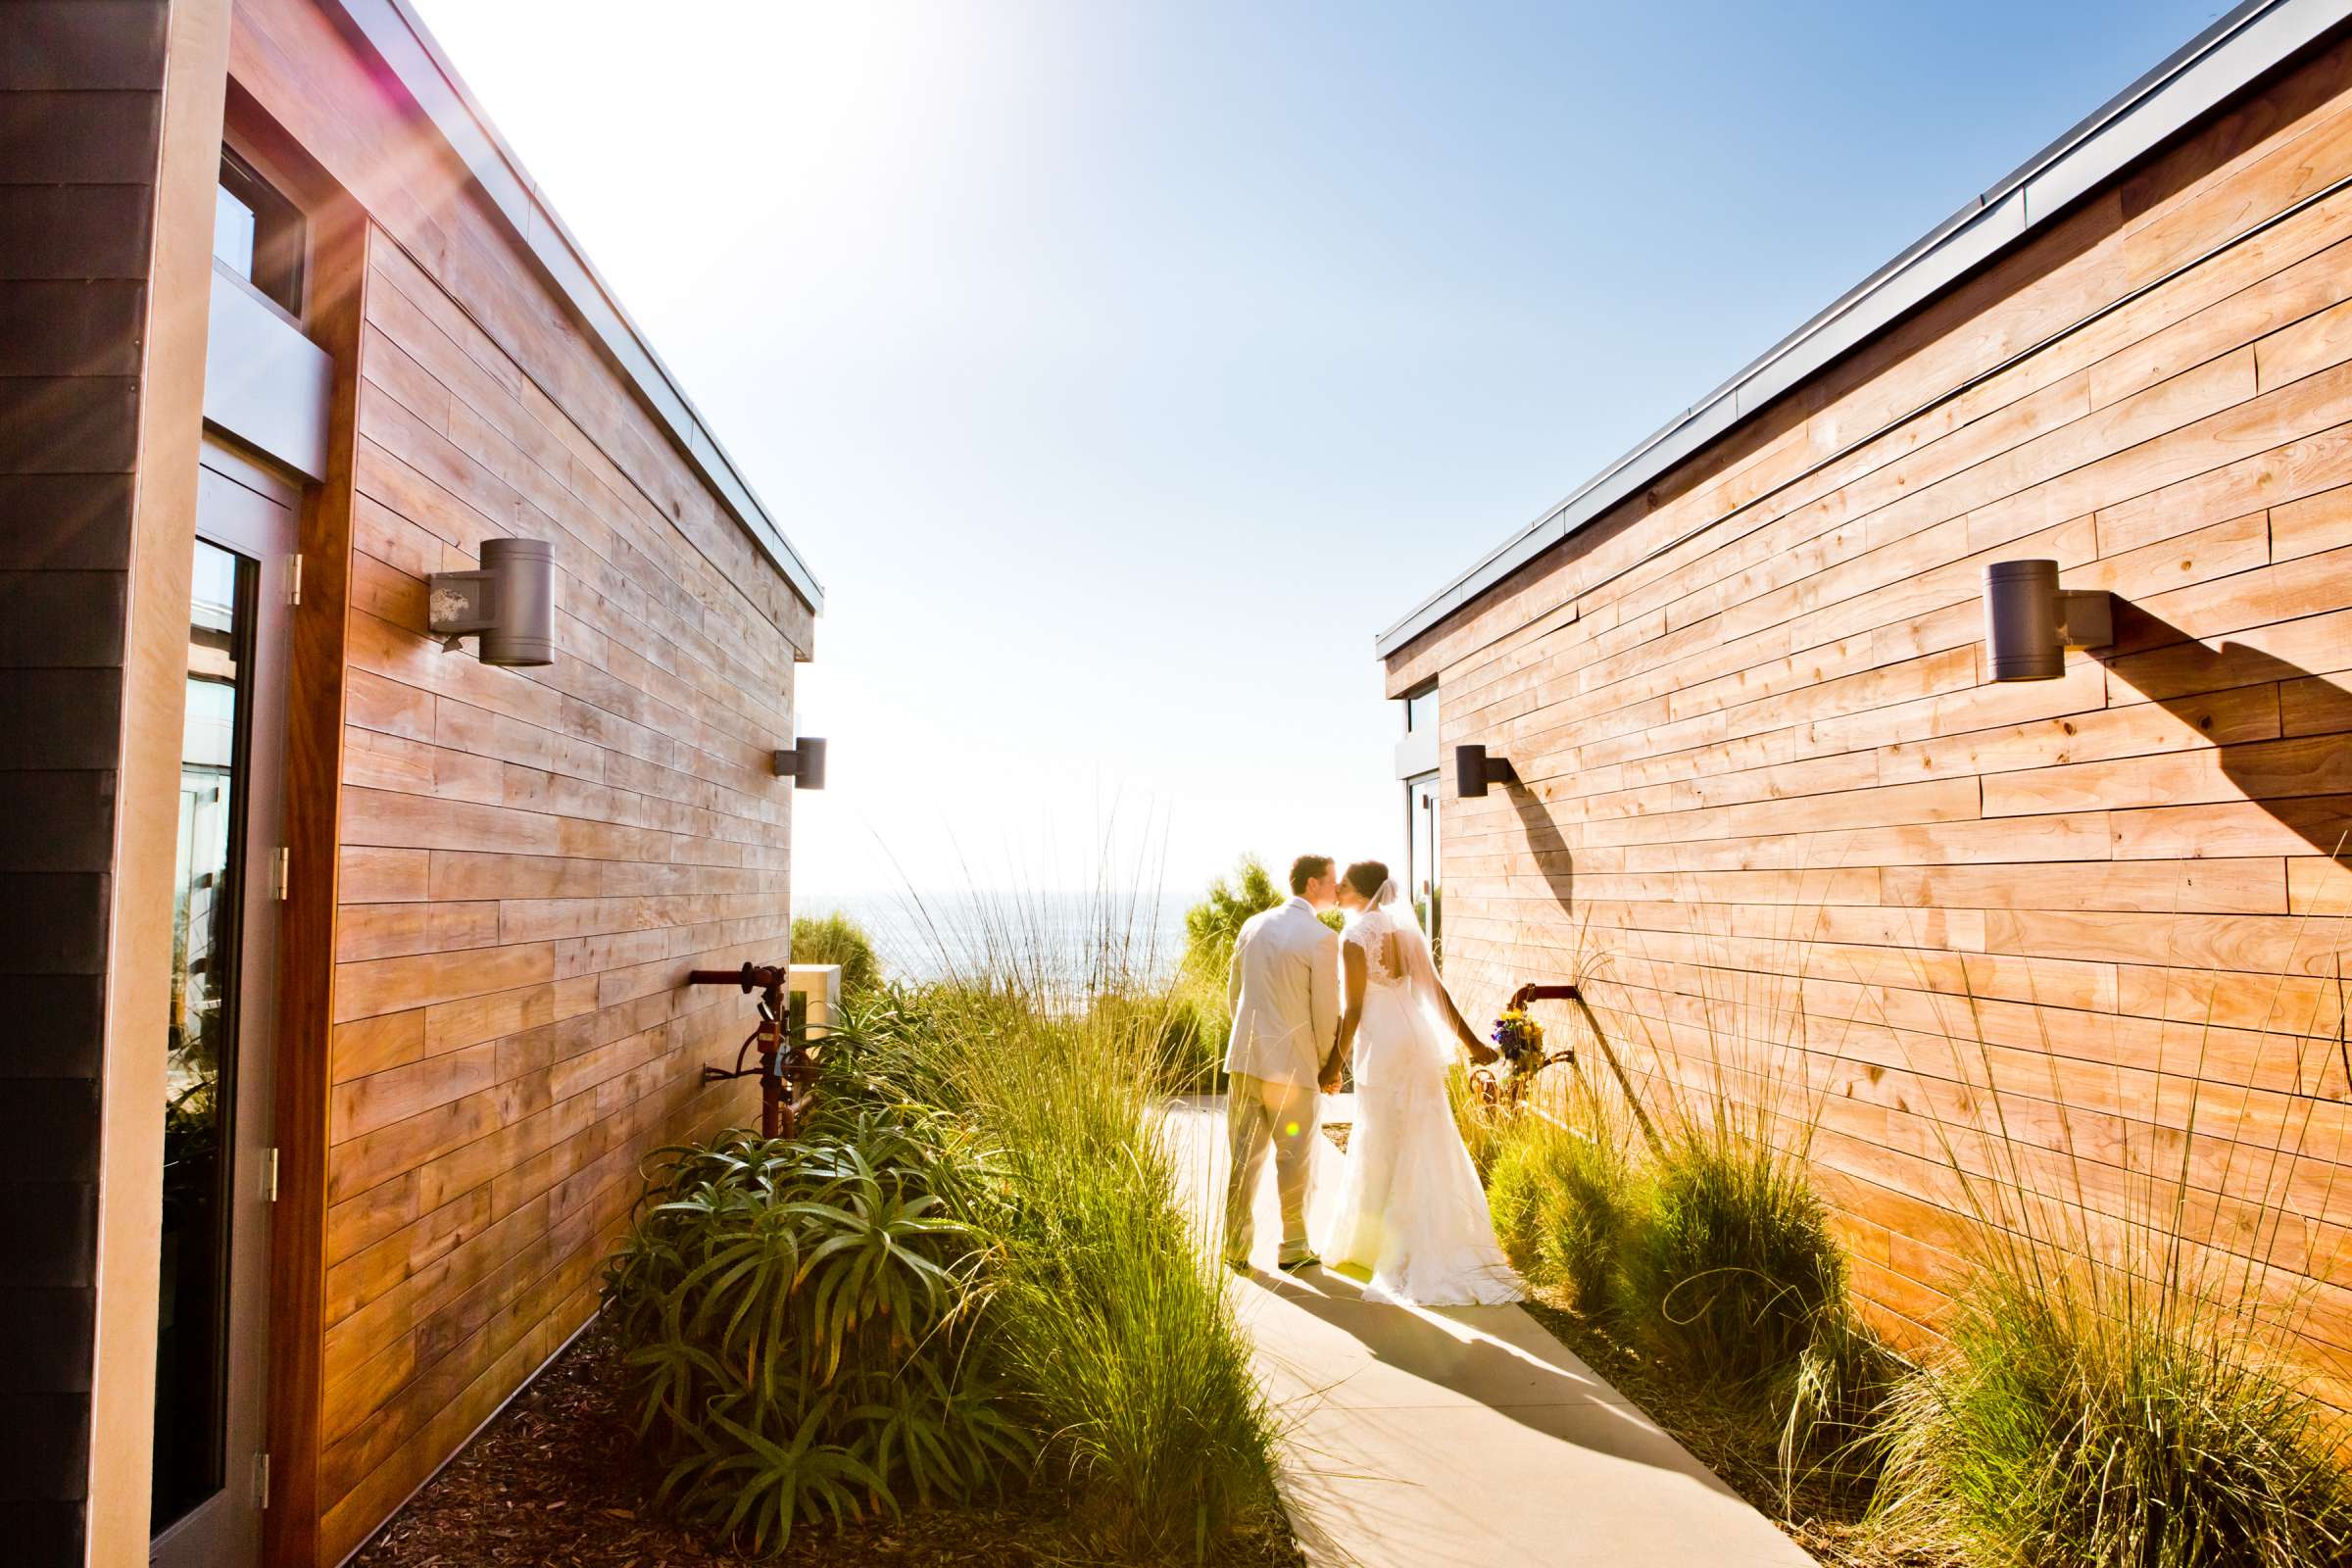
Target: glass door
212 1323
1421 840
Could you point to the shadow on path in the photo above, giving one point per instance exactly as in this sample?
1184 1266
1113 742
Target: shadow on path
1455 1352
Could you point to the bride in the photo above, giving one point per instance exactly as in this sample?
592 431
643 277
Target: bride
1409 1206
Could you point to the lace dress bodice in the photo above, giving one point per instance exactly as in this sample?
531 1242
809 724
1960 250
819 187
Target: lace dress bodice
1377 941
1391 1045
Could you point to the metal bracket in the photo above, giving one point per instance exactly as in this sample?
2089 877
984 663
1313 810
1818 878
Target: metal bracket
2086 617
459 604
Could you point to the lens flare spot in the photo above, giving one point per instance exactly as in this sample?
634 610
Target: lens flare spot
1291 1130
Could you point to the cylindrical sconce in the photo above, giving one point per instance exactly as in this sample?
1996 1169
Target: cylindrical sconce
2029 621
804 763
1474 771
510 603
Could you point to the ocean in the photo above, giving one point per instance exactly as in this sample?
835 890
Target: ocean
1137 934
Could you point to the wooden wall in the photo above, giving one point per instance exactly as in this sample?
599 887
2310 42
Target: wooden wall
1767 777
82 145
531 860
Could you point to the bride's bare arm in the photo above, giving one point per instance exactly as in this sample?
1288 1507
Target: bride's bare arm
1352 1012
1479 1051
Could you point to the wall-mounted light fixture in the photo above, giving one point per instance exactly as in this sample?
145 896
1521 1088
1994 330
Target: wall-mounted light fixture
2029 621
1474 771
510 603
804 763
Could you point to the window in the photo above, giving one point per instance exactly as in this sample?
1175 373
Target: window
258 233
1421 711
200 1063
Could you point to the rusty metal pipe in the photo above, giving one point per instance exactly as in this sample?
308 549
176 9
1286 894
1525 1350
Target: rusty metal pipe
779 1114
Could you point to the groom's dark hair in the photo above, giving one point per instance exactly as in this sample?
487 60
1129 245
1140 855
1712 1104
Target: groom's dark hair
1367 877
1305 869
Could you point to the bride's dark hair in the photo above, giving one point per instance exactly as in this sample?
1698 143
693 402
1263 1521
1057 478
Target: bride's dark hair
1366 876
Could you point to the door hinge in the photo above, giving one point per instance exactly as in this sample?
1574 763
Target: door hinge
269 1175
261 1481
294 578
282 873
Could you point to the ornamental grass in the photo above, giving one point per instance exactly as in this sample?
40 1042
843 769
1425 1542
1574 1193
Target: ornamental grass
1111 1329
2119 1382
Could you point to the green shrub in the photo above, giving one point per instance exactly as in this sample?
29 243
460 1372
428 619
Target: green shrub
1214 924
838 939
1116 1335
1734 1269
798 1317
2085 1421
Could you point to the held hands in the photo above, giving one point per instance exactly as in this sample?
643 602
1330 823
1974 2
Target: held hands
1333 1068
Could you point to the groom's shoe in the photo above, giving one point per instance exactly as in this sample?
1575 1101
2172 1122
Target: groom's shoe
1292 1265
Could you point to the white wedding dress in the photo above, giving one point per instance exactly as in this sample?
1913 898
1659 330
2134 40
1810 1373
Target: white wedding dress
1409 1207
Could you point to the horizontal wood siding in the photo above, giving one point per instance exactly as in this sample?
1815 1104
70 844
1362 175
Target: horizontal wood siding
81 115
533 861
1770 793
530 861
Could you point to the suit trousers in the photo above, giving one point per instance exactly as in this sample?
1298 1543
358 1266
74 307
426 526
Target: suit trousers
1259 1112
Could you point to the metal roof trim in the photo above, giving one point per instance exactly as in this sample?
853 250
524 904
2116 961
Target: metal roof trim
2195 78
401 39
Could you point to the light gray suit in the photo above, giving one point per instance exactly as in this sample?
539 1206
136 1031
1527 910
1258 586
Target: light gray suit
1284 991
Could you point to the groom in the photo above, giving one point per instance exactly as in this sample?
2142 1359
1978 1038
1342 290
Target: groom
1285 992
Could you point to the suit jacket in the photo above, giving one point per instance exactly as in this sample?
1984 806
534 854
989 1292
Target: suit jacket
1284 991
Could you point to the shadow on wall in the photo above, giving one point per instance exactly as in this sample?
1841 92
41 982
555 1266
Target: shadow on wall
2303 779
1546 845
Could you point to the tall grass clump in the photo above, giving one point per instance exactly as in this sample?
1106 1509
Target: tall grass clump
1186 1023
1667 1184
1113 1331
2063 1425
837 939
1733 1267
1566 1196
2117 1382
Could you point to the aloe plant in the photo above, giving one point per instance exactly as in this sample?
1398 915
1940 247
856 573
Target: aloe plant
799 1315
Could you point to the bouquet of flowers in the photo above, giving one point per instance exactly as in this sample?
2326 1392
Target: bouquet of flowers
1520 1039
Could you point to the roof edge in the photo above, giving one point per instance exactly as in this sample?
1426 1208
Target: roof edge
422 67
2220 62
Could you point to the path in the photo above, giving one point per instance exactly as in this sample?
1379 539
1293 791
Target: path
1465 1436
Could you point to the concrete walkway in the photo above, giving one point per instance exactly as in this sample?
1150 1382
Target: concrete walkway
1460 1436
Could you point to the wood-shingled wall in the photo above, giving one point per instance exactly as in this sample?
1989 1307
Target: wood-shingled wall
1765 770
531 860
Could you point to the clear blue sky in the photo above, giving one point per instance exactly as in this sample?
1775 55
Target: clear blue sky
1122 368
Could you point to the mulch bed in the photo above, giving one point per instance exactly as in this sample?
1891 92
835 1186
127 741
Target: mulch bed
557 1482
1825 1524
